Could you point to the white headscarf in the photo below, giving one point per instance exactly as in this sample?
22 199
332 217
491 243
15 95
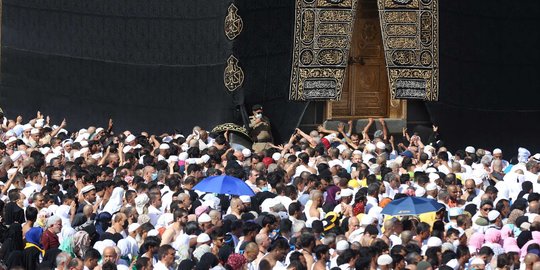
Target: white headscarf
115 202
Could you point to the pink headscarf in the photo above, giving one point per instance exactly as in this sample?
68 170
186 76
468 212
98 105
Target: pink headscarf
493 236
535 240
476 241
510 245
536 236
506 232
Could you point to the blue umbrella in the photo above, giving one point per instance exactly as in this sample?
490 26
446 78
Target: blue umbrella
224 184
411 206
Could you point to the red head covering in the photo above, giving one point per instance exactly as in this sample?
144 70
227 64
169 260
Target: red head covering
236 261
267 161
325 142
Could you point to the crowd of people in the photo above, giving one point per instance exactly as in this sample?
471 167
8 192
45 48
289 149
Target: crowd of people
100 198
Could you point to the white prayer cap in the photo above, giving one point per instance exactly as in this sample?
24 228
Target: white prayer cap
342 245
341 148
381 145
183 156
126 149
335 162
246 152
470 150
34 131
431 170
83 131
434 242
346 192
493 215
130 138
276 156
433 176
99 129
10 140
497 151
153 232
87 189
245 199
370 147
204 218
173 158
357 152
455 211
384 259
431 186
133 227
27 127
16 155
420 191
203 238
164 146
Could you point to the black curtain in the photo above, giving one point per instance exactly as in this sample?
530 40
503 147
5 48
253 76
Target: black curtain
264 49
149 65
489 74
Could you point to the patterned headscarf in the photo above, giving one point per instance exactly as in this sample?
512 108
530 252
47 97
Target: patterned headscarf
81 243
236 261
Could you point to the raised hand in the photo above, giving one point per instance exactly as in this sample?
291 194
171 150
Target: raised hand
340 127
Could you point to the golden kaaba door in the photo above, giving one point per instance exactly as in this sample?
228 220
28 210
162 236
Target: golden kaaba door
365 91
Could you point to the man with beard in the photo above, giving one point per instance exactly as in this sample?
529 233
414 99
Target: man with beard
89 196
237 208
454 199
176 228
120 224
323 257
13 211
277 252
